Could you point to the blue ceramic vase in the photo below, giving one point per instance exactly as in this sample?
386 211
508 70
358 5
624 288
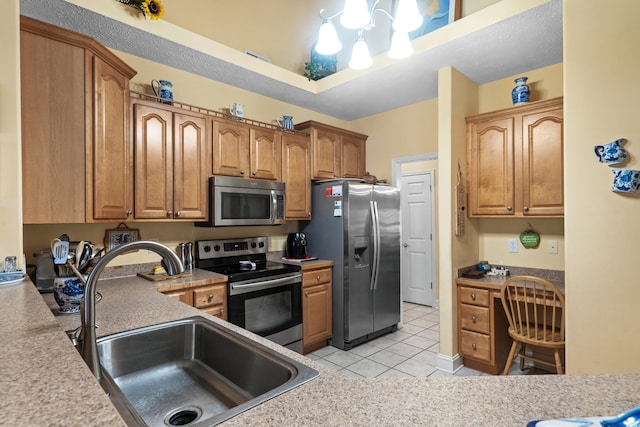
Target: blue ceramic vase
520 93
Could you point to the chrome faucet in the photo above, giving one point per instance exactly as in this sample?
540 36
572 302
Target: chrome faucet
87 340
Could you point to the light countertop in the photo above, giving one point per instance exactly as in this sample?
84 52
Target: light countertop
44 381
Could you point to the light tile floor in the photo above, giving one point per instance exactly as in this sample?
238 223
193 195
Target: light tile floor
409 352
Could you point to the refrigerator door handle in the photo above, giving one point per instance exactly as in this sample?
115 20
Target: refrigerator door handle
377 243
374 230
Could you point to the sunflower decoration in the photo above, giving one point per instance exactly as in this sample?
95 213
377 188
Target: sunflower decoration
153 9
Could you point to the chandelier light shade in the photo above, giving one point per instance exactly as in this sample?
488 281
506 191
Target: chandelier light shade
357 15
400 45
360 57
407 17
328 42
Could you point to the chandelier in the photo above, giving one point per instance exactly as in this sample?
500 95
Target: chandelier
357 15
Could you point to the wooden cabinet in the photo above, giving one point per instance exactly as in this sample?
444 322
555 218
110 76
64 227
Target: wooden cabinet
316 308
77 157
247 151
483 339
335 152
515 161
211 298
170 163
296 174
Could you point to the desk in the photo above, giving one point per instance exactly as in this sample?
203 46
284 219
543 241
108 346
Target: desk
483 338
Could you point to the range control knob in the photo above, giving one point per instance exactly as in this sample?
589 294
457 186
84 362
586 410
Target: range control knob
261 244
207 248
253 244
216 248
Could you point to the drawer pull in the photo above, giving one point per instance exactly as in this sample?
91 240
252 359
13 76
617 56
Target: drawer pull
318 278
473 346
473 297
222 311
473 319
210 298
306 293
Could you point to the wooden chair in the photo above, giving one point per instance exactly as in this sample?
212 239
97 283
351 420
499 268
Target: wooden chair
535 311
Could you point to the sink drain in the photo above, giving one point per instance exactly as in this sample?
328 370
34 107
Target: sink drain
183 417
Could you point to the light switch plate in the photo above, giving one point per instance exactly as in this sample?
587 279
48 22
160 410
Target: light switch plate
512 246
553 246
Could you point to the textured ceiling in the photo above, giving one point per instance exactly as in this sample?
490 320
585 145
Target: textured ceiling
515 45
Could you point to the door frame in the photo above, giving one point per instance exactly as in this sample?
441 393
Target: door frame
396 173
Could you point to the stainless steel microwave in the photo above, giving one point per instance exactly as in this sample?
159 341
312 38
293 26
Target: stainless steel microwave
239 201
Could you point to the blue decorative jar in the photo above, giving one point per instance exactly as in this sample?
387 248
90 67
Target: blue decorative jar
520 93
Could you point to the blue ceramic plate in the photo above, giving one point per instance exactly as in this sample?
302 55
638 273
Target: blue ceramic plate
630 418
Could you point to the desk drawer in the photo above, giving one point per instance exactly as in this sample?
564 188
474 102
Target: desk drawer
475 345
316 277
474 296
474 318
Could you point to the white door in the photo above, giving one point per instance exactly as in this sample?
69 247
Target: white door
416 206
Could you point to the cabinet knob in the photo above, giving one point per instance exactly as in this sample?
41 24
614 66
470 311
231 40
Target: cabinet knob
318 278
474 346
210 298
473 297
222 311
129 213
526 209
169 213
473 319
253 173
242 172
308 213
306 293
509 208
405 245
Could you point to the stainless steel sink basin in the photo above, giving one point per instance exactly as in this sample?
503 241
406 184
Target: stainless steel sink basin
192 372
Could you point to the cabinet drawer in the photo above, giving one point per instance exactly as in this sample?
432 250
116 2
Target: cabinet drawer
475 345
474 296
217 311
474 318
212 295
317 277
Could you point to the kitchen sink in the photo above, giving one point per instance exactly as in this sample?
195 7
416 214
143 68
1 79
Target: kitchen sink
192 372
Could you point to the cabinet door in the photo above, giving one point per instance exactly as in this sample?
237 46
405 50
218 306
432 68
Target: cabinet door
190 170
325 152
316 313
491 172
109 157
265 154
353 157
153 164
296 174
53 132
542 163
230 148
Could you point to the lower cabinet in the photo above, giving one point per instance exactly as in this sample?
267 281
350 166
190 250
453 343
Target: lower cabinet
483 339
316 308
211 299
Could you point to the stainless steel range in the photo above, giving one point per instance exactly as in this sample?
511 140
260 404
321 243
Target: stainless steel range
264 297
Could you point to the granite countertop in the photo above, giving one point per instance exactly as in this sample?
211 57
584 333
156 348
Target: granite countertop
45 382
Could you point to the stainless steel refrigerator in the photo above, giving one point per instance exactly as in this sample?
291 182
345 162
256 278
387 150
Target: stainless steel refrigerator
357 226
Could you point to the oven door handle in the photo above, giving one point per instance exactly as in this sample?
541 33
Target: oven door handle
243 287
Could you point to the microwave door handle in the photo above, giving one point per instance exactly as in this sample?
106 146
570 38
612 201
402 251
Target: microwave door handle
274 206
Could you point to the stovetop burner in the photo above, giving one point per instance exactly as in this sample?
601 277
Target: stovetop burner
239 259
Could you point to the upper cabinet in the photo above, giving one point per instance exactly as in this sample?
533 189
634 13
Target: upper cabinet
76 150
296 174
335 152
171 168
515 161
239 149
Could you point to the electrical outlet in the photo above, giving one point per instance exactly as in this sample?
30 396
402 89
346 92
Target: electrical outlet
512 246
553 246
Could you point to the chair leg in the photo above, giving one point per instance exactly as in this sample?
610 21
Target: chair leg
512 354
558 362
523 351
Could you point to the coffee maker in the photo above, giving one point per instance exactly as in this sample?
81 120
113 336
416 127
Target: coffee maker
297 245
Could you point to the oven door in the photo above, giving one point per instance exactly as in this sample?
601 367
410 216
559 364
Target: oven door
269 307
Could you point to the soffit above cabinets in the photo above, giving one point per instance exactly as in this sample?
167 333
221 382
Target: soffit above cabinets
509 46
